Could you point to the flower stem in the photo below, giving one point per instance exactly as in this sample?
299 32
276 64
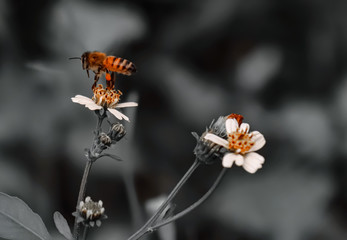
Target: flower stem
101 117
148 225
85 230
82 193
194 205
87 169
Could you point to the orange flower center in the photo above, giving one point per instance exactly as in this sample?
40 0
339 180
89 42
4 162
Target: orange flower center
240 142
106 98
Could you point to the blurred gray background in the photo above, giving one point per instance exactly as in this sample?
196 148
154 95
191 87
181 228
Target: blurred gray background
281 64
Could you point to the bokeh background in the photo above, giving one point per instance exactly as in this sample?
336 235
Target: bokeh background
281 64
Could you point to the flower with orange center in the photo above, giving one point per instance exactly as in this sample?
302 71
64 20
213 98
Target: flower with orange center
241 144
105 98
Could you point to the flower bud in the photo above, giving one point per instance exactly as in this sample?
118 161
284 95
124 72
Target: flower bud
90 213
117 132
105 139
207 151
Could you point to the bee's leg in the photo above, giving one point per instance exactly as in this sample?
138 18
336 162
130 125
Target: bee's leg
113 80
96 79
109 82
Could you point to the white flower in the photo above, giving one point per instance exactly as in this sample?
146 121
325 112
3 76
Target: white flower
90 212
105 99
241 145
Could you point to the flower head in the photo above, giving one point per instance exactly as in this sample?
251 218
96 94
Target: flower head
206 151
105 98
240 144
90 213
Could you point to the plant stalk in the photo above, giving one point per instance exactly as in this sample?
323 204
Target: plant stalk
194 205
84 235
87 169
148 225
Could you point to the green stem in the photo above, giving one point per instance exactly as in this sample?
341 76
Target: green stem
148 225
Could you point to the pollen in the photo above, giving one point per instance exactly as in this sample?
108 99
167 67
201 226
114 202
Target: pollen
106 97
240 142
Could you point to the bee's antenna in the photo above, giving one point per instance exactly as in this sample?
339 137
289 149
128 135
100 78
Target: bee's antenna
88 73
75 58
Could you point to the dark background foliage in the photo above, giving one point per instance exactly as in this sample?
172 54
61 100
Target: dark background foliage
281 64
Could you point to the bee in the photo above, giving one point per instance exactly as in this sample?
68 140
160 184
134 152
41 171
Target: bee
100 63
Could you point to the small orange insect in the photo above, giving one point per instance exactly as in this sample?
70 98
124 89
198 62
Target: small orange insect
100 63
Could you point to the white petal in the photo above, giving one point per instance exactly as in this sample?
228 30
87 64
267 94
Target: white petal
230 158
244 127
127 104
259 141
75 100
231 125
89 213
218 140
93 106
89 103
253 161
80 98
98 223
118 114
239 160
102 210
80 101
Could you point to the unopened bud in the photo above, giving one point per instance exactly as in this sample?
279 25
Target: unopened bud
105 139
117 132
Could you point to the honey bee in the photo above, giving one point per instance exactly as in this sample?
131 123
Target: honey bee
100 63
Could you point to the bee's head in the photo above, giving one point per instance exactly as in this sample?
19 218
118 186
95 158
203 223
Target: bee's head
84 59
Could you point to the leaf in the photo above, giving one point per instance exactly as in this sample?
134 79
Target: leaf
62 226
197 137
19 222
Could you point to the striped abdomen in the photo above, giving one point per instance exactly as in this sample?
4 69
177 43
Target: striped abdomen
119 65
